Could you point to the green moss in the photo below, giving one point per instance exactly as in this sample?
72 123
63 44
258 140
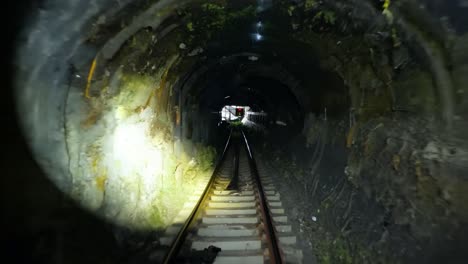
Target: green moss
141 41
340 250
155 219
190 26
235 124
134 93
212 18
309 4
291 10
216 17
212 7
205 156
327 16
334 251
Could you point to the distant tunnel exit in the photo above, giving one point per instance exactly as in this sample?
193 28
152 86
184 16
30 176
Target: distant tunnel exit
245 116
234 113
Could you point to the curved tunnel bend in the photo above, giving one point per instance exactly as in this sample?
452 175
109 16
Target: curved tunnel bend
363 102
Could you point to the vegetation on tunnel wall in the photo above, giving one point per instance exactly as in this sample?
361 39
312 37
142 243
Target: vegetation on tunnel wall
324 206
416 175
205 20
126 163
372 53
401 167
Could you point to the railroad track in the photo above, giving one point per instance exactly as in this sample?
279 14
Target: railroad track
239 212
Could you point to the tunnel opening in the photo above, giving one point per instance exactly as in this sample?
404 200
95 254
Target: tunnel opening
233 112
357 107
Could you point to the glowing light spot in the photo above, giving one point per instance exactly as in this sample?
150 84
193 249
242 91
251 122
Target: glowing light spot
233 113
258 37
134 150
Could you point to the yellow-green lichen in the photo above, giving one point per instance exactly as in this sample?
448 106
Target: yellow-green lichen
327 16
309 4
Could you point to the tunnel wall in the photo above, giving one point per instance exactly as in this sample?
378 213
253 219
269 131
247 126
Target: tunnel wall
381 183
105 134
44 59
378 67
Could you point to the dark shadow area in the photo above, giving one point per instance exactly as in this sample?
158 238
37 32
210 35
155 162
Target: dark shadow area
40 224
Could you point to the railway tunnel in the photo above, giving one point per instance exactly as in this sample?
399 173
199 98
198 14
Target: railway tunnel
364 108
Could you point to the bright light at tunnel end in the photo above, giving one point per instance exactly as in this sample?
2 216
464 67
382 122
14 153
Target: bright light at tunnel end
258 37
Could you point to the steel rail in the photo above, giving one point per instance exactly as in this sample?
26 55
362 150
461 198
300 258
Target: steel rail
234 182
179 240
276 256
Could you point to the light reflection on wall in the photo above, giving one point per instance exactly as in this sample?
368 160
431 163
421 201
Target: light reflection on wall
136 154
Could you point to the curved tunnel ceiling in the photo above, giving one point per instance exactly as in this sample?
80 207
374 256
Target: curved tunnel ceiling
102 78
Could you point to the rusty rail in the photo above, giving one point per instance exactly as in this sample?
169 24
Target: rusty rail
276 256
188 225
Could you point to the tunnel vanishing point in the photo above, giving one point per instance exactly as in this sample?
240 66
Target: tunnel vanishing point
365 105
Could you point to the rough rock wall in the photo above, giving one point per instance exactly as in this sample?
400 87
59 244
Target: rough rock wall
399 196
105 135
129 166
418 175
43 62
